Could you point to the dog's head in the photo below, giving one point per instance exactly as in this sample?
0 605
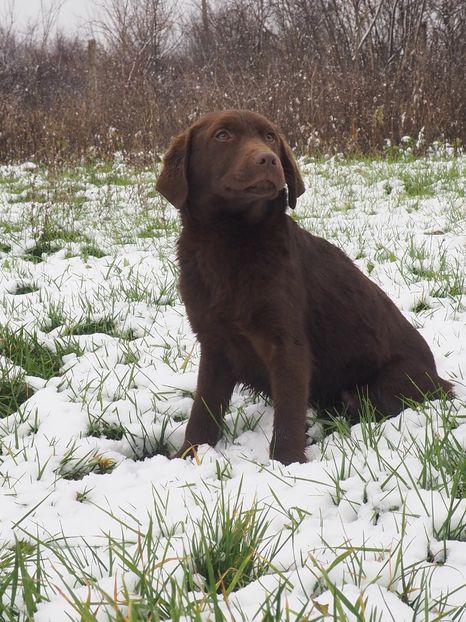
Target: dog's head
236 157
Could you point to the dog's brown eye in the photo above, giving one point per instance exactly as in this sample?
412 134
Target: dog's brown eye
222 135
270 137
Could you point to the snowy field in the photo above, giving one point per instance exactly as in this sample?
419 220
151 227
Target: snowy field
98 369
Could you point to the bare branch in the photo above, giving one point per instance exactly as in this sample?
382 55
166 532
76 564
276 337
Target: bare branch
368 31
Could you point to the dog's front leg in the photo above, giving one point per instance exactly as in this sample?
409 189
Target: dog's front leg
215 385
288 366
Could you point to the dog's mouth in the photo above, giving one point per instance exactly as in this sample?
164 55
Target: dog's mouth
261 188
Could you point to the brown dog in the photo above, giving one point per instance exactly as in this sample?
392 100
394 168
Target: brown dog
273 306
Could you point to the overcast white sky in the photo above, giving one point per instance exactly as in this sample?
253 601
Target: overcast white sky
74 15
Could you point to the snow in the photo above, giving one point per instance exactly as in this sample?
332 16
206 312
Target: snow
361 517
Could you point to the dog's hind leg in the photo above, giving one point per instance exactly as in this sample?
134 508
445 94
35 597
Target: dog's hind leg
394 388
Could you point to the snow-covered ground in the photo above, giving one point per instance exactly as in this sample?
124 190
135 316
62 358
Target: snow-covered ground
96 523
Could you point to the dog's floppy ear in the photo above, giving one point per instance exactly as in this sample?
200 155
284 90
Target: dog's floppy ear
173 180
293 178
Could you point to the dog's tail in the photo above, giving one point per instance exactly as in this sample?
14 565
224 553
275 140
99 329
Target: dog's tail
443 389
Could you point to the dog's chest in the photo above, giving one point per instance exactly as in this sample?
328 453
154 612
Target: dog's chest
222 285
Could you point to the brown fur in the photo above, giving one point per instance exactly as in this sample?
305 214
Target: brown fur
273 306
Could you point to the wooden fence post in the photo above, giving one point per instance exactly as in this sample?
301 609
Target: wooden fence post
92 75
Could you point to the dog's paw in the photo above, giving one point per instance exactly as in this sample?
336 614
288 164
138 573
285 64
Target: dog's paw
287 455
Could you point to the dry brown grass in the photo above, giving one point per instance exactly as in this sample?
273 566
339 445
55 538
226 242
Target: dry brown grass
336 76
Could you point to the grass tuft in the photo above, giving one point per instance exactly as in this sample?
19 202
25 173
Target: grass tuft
24 350
225 548
13 393
112 431
74 468
91 327
92 250
16 578
420 307
25 288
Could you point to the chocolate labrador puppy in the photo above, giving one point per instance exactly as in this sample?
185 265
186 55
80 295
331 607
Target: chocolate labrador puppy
274 307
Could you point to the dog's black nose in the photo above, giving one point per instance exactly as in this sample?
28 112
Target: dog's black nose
266 158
